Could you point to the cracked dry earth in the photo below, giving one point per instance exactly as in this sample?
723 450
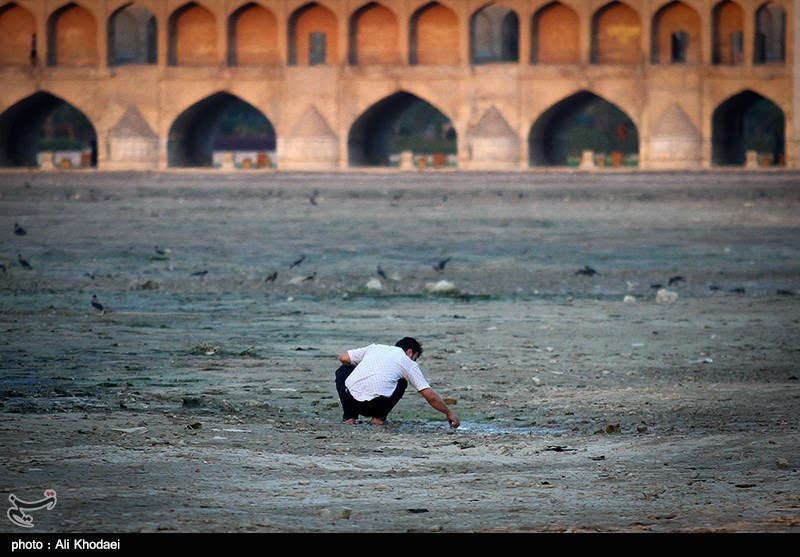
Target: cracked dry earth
202 398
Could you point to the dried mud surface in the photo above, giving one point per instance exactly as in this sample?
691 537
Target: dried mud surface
202 398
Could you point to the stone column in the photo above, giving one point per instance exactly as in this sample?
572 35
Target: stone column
222 36
585 39
282 22
463 34
525 36
646 38
102 37
403 33
42 43
706 36
343 44
749 35
162 36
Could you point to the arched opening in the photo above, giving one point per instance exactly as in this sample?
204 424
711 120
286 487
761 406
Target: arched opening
45 123
770 39
374 36
616 35
312 36
748 122
728 29
494 35
581 122
434 36
221 123
555 35
72 37
17 36
132 36
402 123
676 35
252 37
192 36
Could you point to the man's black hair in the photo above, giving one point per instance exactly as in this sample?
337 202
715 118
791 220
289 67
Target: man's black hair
409 342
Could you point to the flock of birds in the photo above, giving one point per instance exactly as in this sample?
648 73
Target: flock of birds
440 265
162 252
588 271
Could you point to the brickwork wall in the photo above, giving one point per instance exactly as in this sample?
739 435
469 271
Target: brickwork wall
412 46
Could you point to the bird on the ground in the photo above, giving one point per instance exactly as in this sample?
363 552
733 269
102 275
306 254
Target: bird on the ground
674 280
18 230
96 304
297 262
312 276
90 274
3 267
162 251
784 292
199 273
381 272
24 262
313 197
586 271
272 277
441 264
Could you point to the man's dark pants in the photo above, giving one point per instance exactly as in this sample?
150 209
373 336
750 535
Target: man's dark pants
379 407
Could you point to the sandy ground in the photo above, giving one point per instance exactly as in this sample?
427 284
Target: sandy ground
202 398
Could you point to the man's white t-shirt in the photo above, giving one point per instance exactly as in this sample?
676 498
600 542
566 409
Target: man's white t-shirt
378 368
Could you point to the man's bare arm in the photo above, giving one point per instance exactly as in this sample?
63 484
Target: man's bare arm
436 402
345 358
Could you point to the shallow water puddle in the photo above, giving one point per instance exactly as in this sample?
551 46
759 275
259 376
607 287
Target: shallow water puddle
479 429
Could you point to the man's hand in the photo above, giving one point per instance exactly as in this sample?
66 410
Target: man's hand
453 420
436 402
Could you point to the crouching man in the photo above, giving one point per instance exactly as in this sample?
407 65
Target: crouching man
373 379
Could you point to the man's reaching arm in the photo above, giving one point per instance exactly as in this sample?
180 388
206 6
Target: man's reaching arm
436 402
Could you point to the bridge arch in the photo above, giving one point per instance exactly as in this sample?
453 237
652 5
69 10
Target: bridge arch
220 122
555 35
252 36
434 37
400 122
583 121
72 37
44 122
313 37
770 38
727 20
616 35
132 36
676 37
494 34
374 36
192 36
17 36
745 122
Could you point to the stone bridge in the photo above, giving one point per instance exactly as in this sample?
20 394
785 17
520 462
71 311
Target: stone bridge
695 83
